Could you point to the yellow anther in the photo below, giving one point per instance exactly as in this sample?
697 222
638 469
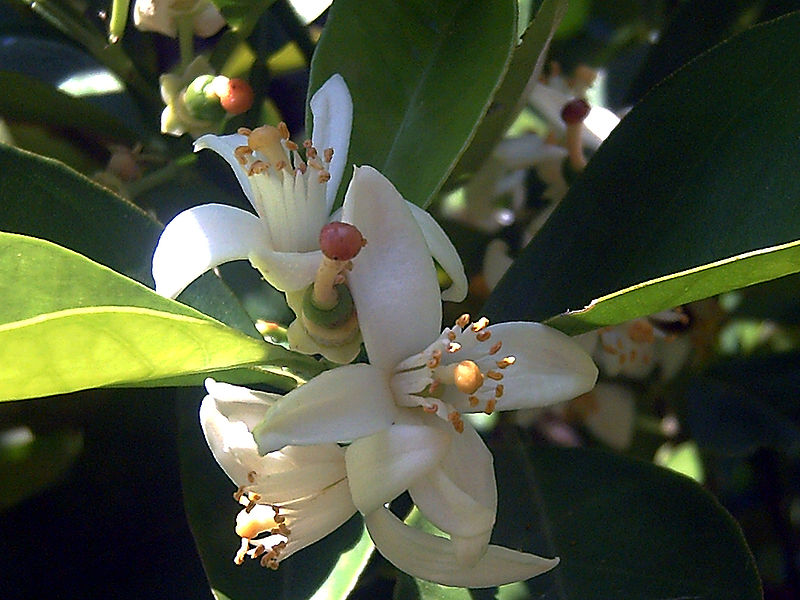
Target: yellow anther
283 130
641 332
327 154
484 335
467 377
244 131
451 336
463 320
473 401
455 420
496 348
241 153
494 375
480 324
490 404
453 347
506 362
324 177
498 391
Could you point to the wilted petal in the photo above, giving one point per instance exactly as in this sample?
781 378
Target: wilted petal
224 145
433 557
443 251
460 495
382 466
548 367
201 238
332 108
393 282
343 404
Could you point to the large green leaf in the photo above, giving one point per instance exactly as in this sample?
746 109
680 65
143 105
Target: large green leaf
30 100
622 528
526 64
43 198
421 73
704 169
69 323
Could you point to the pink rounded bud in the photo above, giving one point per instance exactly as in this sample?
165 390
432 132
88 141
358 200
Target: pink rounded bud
575 111
238 98
340 241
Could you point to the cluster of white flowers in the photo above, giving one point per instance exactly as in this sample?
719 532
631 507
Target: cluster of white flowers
355 437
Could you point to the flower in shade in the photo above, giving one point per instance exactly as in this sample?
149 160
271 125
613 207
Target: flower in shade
402 413
292 198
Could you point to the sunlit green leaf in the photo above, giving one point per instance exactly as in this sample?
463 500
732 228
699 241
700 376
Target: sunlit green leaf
345 574
622 528
70 324
242 15
418 92
703 170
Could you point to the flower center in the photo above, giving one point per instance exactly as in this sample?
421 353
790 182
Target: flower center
289 193
440 384
255 520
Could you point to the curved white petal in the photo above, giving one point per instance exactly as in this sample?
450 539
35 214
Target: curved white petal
433 557
460 495
239 403
443 252
314 518
343 404
286 271
382 466
393 280
332 108
201 238
224 145
549 367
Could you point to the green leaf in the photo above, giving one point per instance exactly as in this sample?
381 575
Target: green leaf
526 64
663 205
622 528
242 15
425 74
345 574
211 511
69 323
43 198
30 100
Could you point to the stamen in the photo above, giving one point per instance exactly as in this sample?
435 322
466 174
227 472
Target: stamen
506 362
494 375
480 324
490 405
641 331
242 552
473 401
324 177
453 347
291 146
283 130
251 476
463 320
259 550
451 336
498 391
484 335
496 348
455 420
237 495
241 153
327 154
257 168
244 131
435 359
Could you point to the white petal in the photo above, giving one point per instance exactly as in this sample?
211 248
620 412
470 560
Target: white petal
313 519
201 238
443 251
433 557
286 271
224 145
332 108
339 405
460 496
549 366
380 467
231 443
393 281
239 403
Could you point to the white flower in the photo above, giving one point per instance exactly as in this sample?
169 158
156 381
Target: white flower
292 497
292 200
403 411
161 16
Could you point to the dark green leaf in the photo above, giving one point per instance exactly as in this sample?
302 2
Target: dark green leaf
622 528
421 74
702 170
242 15
30 100
526 64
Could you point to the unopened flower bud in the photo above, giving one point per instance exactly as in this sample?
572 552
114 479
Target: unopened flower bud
575 111
201 99
340 241
236 96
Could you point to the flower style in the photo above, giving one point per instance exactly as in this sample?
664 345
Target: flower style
292 497
403 411
161 16
292 199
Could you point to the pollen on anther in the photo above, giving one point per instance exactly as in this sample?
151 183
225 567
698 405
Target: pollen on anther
290 145
480 324
241 153
496 348
473 401
244 131
506 362
463 320
324 177
283 130
498 391
455 420
453 347
451 335
490 405
484 335
327 154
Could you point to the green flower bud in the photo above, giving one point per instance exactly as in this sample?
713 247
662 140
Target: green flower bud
201 99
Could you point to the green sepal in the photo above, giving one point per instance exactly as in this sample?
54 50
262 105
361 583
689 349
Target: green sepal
336 316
